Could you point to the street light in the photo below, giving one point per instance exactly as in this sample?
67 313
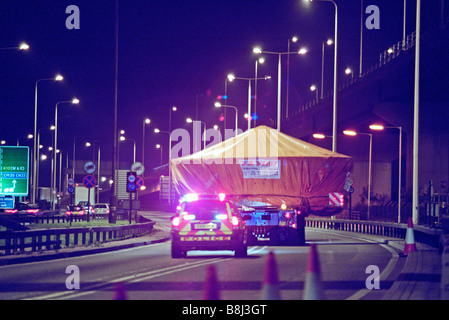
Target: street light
314 88
158 146
219 105
379 127
329 42
21 46
232 77
334 112
189 120
293 39
353 133
35 159
172 109
73 101
258 50
145 122
88 144
349 71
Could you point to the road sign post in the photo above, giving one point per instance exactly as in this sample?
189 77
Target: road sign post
89 182
131 187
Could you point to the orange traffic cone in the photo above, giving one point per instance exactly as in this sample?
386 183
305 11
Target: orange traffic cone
120 292
270 289
313 289
211 286
410 245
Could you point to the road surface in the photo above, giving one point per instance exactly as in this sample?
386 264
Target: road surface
149 272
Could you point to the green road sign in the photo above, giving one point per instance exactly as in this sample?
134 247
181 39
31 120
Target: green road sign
14 176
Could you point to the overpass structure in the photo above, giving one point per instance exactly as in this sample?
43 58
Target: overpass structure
384 94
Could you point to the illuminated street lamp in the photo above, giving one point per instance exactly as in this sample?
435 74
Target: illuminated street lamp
232 77
349 71
320 136
146 121
293 39
314 88
53 187
334 112
22 46
258 50
329 42
219 105
378 127
35 159
158 146
353 133
195 146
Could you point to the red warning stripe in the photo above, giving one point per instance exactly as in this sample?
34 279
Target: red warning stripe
336 199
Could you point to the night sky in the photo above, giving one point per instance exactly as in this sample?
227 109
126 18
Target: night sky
171 52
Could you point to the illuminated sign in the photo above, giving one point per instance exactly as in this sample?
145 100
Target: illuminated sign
14 175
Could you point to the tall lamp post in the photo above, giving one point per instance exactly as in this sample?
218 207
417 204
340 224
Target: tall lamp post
55 148
353 133
379 127
293 39
334 112
232 77
35 146
145 122
279 54
219 105
189 120
329 42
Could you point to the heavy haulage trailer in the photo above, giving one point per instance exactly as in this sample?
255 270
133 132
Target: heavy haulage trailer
275 179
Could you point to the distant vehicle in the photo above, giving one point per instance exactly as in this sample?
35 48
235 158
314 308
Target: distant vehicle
74 210
101 208
86 207
25 208
208 223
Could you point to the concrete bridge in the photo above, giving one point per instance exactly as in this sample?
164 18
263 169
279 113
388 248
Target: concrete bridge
384 94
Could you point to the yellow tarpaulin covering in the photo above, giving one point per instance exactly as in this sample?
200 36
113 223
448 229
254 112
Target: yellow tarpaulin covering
264 165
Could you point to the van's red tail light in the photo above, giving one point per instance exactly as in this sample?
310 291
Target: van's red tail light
235 221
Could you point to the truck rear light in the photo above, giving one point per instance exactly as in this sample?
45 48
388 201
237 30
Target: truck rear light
10 210
288 215
221 196
235 221
68 213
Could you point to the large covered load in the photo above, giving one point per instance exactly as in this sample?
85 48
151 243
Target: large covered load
264 167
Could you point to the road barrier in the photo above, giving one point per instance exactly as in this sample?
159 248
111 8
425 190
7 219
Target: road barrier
429 236
12 242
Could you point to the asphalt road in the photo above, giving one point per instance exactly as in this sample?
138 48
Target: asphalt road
149 272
